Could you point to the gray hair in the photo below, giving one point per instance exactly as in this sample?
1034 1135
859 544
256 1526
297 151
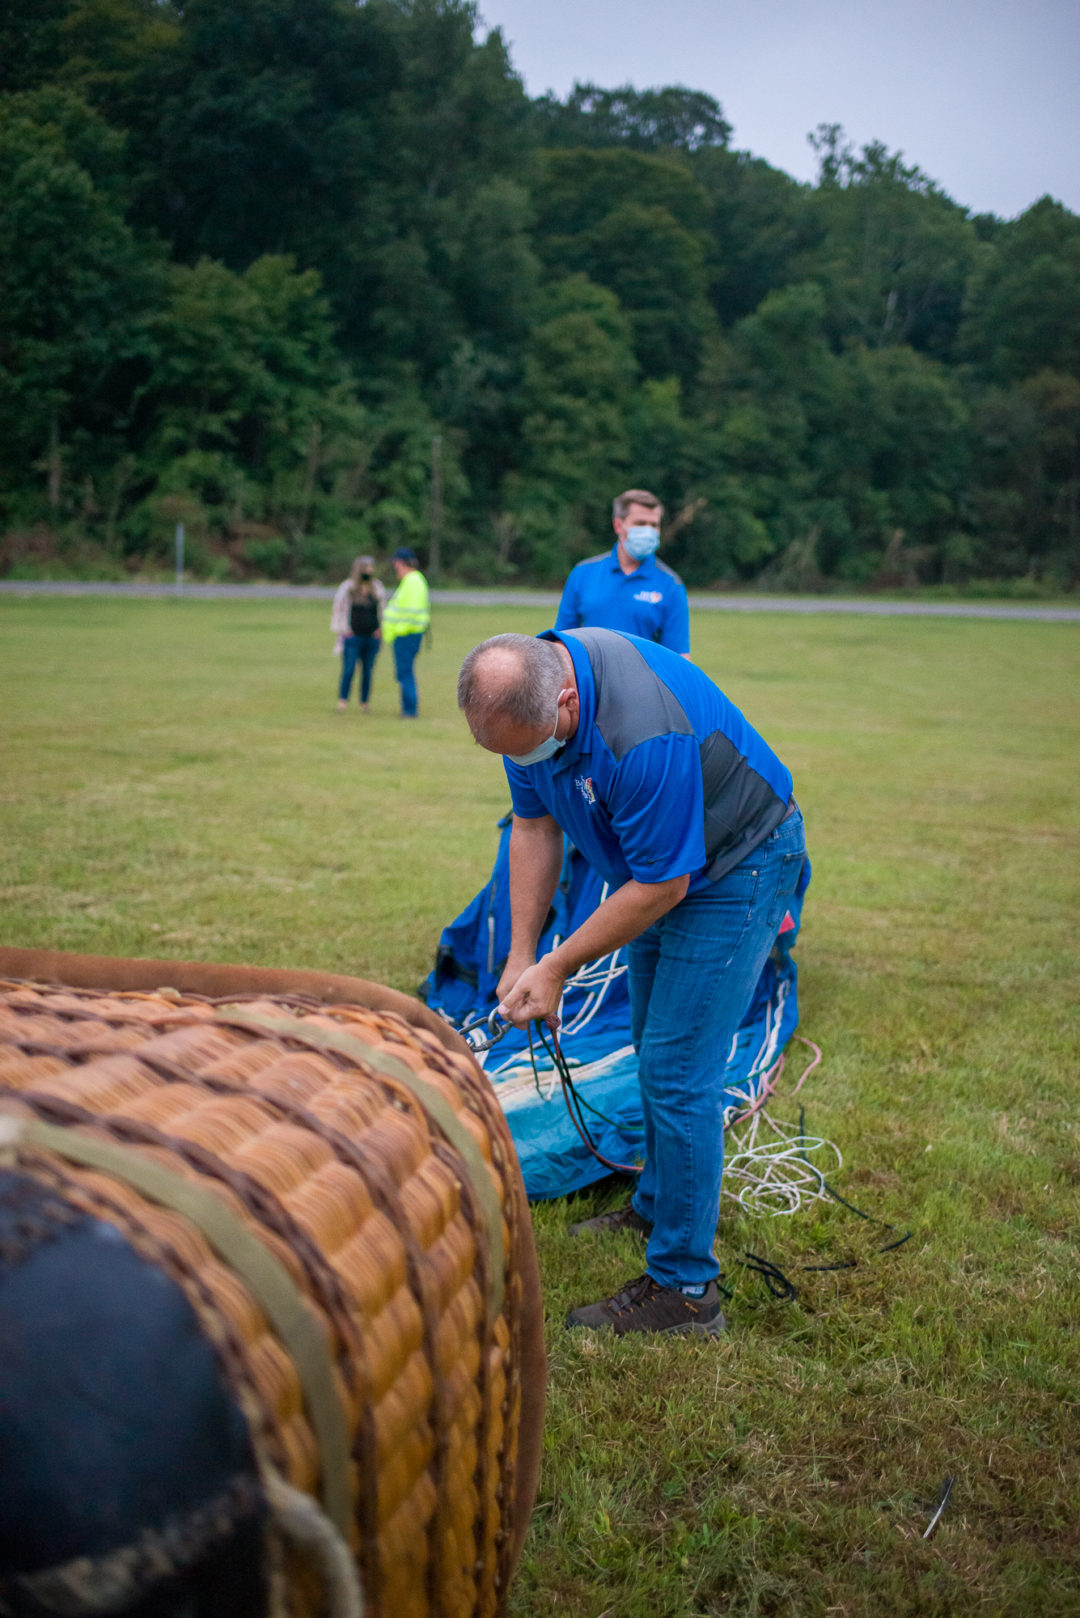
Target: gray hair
636 497
515 677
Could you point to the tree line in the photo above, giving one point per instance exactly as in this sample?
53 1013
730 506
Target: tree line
314 277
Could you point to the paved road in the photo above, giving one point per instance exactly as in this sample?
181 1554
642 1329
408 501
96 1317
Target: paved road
864 606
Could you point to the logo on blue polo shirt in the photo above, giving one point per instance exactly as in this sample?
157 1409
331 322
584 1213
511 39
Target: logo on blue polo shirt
651 596
585 787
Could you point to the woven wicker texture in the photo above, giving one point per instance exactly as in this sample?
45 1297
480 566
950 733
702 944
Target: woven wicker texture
350 1181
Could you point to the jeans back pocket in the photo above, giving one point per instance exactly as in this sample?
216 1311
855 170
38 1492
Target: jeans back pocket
786 887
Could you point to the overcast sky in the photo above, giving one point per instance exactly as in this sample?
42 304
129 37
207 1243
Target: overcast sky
984 95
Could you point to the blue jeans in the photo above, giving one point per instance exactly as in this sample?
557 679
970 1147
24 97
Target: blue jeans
405 650
692 975
363 649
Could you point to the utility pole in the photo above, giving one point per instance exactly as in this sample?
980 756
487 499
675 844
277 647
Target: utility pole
179 557
435 514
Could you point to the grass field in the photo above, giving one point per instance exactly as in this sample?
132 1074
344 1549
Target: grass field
176 781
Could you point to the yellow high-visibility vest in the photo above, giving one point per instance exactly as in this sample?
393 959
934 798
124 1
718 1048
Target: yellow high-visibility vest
408 611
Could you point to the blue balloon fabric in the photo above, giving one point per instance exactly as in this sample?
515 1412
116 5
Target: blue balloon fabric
595 1033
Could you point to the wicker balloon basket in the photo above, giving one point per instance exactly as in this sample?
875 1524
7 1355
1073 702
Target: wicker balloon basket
320 1167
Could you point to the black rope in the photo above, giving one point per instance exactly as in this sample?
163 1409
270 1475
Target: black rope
566 1078
777 1282
850 1206
574 1101
773 1277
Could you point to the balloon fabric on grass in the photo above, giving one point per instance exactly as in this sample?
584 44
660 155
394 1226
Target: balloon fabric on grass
595 1029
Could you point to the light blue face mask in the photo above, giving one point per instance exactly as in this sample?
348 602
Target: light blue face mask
549 745
641 541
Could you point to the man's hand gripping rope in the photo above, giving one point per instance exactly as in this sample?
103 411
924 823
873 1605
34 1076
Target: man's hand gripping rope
532 993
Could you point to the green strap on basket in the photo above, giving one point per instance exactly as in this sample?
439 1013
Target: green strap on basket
265 1276
433 1102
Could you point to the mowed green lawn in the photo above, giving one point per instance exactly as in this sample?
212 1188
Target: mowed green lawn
176 781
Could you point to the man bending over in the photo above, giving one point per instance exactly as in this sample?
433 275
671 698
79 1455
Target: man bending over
679 804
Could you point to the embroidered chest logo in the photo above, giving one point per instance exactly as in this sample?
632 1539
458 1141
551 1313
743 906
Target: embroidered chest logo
586 788
651 596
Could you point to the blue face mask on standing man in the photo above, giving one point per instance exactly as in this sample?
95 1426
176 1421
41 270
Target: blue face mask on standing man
641 541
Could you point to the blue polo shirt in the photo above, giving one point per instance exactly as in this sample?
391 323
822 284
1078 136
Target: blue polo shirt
650 601
663 776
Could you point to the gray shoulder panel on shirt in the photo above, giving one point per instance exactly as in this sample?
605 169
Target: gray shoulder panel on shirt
670 571
632 703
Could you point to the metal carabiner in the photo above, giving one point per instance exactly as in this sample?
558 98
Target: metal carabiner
472 1032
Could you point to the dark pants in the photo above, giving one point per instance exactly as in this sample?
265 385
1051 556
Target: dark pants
362 649
405 650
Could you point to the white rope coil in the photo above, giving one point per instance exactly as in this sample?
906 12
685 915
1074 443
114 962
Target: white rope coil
771 1173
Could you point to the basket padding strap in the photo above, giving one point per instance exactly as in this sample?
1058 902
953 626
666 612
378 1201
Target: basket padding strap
433 1102
265 1276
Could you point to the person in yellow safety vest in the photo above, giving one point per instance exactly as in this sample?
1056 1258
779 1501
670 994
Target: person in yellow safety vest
405 617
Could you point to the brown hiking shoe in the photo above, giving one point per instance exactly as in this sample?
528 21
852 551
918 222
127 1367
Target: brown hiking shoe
626 1218
644 1305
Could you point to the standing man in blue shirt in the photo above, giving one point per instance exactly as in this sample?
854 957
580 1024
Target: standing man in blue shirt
671 795
628 588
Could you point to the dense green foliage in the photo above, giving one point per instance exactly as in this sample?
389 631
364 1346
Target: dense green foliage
259 258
